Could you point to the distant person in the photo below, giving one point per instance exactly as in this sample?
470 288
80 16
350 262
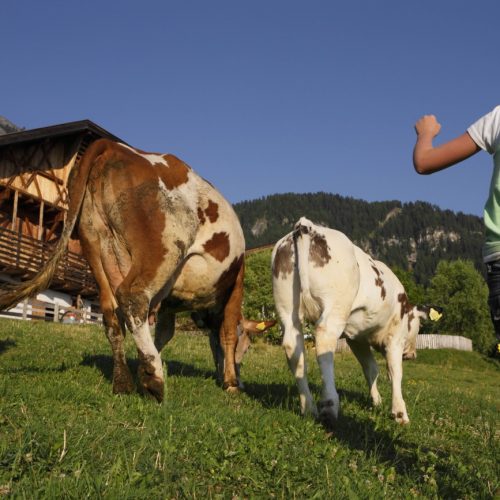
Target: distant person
483 134
79 302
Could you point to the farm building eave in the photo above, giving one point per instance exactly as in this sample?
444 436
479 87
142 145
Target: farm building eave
57 131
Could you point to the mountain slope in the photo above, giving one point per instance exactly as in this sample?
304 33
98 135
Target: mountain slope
7 127
408 235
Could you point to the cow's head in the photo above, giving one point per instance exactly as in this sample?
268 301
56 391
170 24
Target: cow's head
416 314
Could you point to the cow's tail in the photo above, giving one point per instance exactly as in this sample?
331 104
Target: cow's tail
12 294
301 234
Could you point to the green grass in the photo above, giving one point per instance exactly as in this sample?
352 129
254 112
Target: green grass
64 435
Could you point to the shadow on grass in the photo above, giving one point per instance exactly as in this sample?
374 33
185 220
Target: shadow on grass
6 344
186 370
104 363
358 433
272 395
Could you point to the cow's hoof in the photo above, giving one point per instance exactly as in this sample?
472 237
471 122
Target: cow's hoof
400 418
152 387
149 384
123 383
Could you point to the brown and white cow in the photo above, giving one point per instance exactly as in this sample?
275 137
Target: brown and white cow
321 276
153 232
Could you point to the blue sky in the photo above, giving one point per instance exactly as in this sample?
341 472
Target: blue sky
264 97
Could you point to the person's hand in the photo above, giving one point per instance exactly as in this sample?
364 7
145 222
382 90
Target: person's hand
427 126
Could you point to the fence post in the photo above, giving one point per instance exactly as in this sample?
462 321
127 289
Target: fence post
56 313
25 309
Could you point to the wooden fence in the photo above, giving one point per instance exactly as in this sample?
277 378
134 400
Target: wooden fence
20 253
32 309
427 342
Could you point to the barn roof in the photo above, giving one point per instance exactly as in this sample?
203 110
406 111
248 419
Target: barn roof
56 131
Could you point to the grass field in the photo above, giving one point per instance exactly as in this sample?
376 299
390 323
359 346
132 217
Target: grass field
64 435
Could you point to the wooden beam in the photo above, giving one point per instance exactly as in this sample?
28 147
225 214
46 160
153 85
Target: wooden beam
40 221
14 211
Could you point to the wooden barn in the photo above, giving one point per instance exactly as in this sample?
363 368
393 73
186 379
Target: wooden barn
34 169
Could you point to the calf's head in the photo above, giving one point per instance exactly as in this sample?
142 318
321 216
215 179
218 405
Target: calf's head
247 329
417 314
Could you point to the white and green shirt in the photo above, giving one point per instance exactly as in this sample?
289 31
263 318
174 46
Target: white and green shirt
486 134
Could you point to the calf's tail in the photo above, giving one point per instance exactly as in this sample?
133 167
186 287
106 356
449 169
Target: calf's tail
301 235
12 294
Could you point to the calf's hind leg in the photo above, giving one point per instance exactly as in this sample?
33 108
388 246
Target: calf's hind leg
293 344
365 357
328 330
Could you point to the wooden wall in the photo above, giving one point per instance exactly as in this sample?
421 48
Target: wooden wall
40 169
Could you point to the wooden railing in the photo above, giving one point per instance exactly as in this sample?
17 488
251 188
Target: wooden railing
427 342
32 309
21 254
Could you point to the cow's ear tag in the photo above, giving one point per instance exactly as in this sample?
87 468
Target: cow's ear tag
261 326
435 315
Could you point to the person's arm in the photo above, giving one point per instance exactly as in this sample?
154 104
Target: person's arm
428 159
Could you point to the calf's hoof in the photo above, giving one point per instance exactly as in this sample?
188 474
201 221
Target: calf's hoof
400 417
328 414
231 388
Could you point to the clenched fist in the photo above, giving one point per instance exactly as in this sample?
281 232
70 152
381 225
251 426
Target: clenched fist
427 125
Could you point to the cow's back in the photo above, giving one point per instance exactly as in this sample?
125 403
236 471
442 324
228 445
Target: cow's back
321 264
216 253
376 308
163 216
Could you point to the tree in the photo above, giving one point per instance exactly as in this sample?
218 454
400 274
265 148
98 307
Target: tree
414 291
460 289
258 300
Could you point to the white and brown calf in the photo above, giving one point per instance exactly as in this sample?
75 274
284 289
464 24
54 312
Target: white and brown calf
153 232
321 276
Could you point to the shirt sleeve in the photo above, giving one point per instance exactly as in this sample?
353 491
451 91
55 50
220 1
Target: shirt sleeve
486 131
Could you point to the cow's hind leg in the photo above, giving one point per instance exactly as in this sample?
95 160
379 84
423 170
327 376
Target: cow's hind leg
114 326
328 330
115 332
228 336
365 357
165 328
213 321
293 344
134 302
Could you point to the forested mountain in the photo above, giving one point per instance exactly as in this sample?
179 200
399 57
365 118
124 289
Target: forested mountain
413 236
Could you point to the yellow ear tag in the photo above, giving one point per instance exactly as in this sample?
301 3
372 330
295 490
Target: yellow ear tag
435 315
261 326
